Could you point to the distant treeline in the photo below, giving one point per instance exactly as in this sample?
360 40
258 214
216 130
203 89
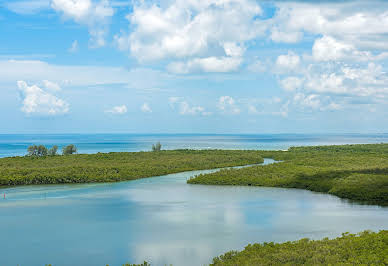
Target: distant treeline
357 172
41 150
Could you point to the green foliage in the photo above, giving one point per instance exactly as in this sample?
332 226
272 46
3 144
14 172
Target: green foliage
69 149
53 150
366 248
356 172
116 166
42 150
35 150
156 147
32 150
143 264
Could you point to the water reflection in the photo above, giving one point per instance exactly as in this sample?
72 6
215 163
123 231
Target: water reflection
164 220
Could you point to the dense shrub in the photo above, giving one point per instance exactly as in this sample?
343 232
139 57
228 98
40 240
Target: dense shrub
53 150
357 172
35 150
366 248
156 147
69 149
115 166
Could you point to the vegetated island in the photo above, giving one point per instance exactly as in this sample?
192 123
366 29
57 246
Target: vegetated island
41 168
356 172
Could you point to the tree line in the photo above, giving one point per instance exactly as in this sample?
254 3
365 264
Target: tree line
41 150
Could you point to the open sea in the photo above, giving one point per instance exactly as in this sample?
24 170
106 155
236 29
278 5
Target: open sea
16 144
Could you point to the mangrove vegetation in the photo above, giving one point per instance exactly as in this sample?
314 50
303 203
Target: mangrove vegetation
356 172
366 248
115 166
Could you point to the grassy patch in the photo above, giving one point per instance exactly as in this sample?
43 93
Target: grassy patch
357 172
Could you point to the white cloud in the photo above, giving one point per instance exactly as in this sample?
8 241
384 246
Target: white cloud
291 83
329 49
119 110
74 47
288 62
315 102
228 105
203 32
209 64
38 101
184 108
361 24
326 83
145 108
95 15
349 80
286 36
233 50
51 86
312 101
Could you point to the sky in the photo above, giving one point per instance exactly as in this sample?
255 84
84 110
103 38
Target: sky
187 66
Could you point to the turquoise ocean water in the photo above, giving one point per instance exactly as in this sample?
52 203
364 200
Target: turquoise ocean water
16 144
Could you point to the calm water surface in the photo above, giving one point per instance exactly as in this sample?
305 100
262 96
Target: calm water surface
164 220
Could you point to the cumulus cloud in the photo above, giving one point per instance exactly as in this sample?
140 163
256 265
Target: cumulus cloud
311 100
291 83
287 63
207 33
94 14
145 108
118 110
228 105
39 101
315 102
350 27
330 87
285 36
51 86
351 80
184 108
209 64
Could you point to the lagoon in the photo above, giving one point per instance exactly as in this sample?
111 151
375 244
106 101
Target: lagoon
163 220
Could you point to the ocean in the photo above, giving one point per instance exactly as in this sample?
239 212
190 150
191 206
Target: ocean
16 144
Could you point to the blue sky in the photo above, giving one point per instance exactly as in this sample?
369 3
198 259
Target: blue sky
216 66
